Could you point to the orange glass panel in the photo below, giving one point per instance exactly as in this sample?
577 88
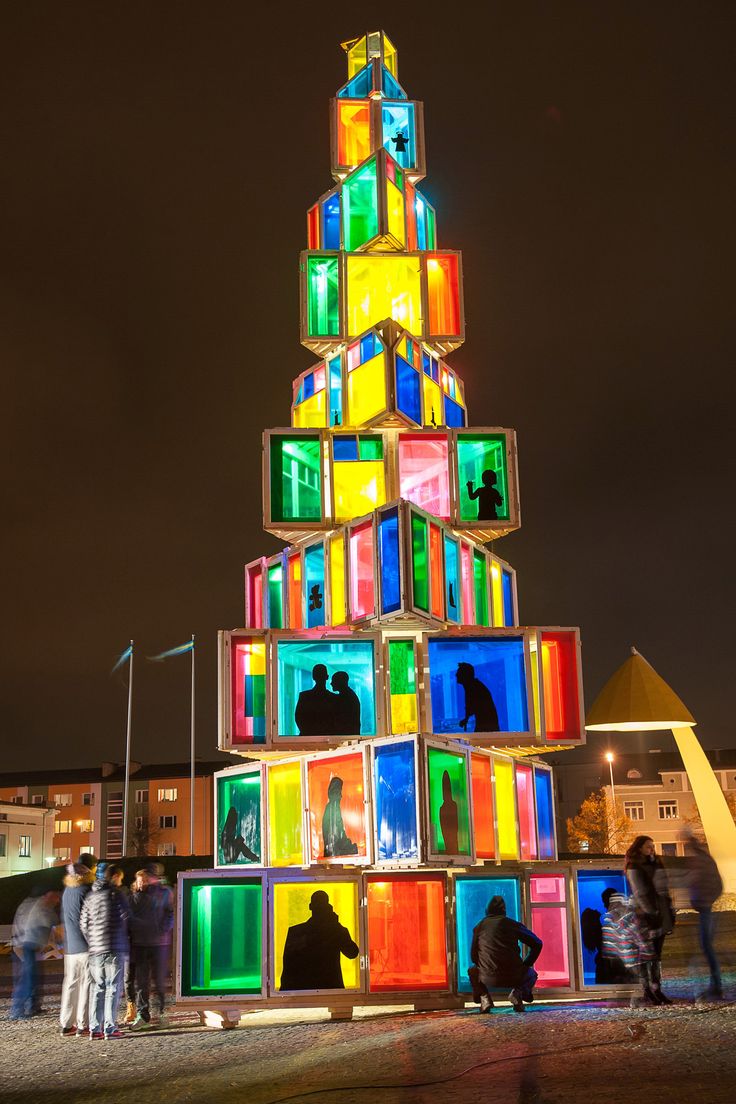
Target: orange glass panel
407 948
560 686
353 132
336 808
482 784
443 295
295 591
435 569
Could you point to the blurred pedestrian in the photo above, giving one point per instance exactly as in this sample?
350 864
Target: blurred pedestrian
652 903
136 886
705 886
152 921
34 918
74 1015
104 924
497 961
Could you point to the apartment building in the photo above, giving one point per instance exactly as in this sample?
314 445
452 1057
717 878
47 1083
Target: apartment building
26 837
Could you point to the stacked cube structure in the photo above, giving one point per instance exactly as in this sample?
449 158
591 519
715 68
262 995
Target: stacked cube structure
390 708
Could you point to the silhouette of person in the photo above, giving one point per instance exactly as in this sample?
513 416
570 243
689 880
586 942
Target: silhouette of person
232 845
451 598
399 140
346 707
315 708
487 495
312 950
315 598
448 816
479 701
335 839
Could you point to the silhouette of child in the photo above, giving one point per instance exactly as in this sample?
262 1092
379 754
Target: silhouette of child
487 495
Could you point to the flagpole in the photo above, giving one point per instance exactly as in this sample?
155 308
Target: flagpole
191 786
127 753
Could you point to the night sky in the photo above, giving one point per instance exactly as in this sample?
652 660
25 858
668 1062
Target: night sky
157 163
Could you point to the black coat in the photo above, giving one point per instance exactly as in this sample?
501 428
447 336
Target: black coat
312 953
651 896
495 950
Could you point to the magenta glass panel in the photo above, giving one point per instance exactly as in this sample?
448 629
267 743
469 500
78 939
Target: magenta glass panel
254 584
466 564
547 887
527 820
424 474
553 964
362 590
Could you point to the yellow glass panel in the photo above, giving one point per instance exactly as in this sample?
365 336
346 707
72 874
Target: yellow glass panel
285 809
497 595
367 391
357 57
395 209
312 413
291 907
383 286
360 486
432 402
337 579
390 57
403 714
353 132
535 686
508 847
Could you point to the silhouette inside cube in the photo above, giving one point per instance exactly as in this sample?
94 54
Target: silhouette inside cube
488 497
312 950
335 838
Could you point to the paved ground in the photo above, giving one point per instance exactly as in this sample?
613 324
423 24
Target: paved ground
555 1053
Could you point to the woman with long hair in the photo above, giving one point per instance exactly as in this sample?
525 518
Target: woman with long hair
647 880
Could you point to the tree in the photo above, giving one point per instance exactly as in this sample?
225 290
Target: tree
695 823
599 828
142 837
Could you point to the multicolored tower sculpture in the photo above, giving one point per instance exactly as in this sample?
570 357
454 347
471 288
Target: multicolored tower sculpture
391 707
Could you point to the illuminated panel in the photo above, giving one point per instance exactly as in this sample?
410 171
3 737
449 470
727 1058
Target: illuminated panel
497 604
334 367
383 286
435 569
433 403
310 400
336 808
331 221
503 774
395 211
525 807
560 686
407 947
314 584
299 969
295 590
389 561
399 132
357 56
254 584
323 296
509 612
411 216
443 294
395 785
420 563
545 812
248 674
275 575
362 586
481 780
360 206
408 389
550 924
313 235
449 806
359 476
296 478
337 580
482 477
466 557
285 809
402 678
424 472
307 706
360 86
367 396
390 57
481 588
222 942
452 580
471 897
591 885
353 131
239 819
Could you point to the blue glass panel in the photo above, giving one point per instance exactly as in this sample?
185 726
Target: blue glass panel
300 393
396 801
388 539
345 448
591 884
509 615
454 414
391 86
309 385
331 222
545 813
398 133
335 391
308 705
408 390
314 584
420 209
360 87
426 363
471 898
368 347
478 684
452 580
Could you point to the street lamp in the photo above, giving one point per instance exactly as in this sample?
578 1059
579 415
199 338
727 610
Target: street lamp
609 759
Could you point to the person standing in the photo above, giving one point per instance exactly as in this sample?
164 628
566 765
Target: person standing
74 1015
103 922
130 1011
152 922
497 961
650 894
32 924
705 886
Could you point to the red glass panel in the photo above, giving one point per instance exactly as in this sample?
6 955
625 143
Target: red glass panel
443 297
560 684
313 227
411 216
406 933
327 805
435 567
295 591
481 781
254 612
525 805
553 964
362 589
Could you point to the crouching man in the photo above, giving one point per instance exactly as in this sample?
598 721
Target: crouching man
497 961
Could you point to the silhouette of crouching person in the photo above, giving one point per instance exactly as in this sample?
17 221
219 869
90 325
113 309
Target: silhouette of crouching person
312 950
232 844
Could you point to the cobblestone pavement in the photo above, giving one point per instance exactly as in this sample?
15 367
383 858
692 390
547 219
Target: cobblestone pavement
602 1052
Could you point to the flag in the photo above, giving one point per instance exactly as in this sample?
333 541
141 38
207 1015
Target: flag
123 658
180 649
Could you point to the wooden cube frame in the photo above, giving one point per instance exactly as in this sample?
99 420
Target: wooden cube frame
255 615
290 530
392 741
271 766
375 122
542 769
225 642
576 732
462 751
486 530
234 773
376 77
565 872
326 757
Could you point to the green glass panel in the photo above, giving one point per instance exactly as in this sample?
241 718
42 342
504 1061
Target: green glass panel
420 562
481 588
449 815
431 229
482 477
239 819
275 597
296 485
399 178
401 665
360 206
323 296
370 448
222 938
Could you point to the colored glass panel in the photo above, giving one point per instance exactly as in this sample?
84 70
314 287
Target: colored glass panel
509 613
433 402
452 580
497 606
408 390
420 214
353 132
222 922
311 413
407 947
290 904
295 591
296 478
367 391
248 689
357 56
591 885
535 669
411 216
306 707
420 563
399 134
276 596
314 584
547 889
545 813
482 477
481 588
424 472
239 819
477 684
471 897
383 286
359 488
335 787
335 377
359 87
503 779
443 293
525 809
466 564
313 241
394 776
481 779
338 612
362 586
331 222
389 561
254 612
395 213
454 414
285 814
432 239
560 686
449 806
323 296
435 571
360 206
390 56
553 964
391 87
402 679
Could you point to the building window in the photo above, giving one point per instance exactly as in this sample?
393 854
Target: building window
168 795
634 810
669 848
37 799
668 810
17 800
633 774
62 827
141 822
86 825
88 799
141 797
64 853
24 847
3 845
166 849
62 799
167 822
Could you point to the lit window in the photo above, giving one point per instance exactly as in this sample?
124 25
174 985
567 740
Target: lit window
168 795
634 810
37 799
62 799
167 822
64 853
86 825
62 827
24 847
668 810
166 849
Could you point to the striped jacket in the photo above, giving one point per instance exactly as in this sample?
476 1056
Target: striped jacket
103 920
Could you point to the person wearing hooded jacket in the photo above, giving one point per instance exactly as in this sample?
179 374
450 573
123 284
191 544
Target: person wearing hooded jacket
652 903
74 1014
496 958
705 886
103 922
152 922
